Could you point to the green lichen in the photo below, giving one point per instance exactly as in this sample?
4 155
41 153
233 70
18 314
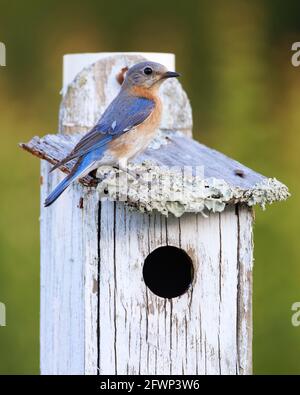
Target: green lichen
148 187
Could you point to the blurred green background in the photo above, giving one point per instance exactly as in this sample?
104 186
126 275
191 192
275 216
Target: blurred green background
235 57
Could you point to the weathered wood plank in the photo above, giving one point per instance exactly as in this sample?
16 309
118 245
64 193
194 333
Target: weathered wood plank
107 290
53 148
62 284
228 231
244 305
69 263
89 205
208 284
188 341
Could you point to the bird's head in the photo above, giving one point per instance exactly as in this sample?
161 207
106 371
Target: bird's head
147 75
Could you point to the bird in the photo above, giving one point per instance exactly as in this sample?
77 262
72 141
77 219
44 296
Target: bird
124 130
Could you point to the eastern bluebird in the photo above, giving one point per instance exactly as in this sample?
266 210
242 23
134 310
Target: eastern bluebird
126 127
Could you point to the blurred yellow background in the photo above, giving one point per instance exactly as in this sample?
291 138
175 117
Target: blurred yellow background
235 60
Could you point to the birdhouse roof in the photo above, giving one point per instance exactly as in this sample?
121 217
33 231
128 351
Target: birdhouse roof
186 176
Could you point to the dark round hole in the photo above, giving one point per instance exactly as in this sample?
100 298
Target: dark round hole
168 272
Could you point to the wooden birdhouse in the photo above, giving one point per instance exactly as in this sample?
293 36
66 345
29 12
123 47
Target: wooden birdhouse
149 274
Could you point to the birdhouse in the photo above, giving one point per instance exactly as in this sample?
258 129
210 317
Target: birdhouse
148 272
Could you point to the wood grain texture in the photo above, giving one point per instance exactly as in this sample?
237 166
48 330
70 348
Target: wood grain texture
69 274
196 333
244 306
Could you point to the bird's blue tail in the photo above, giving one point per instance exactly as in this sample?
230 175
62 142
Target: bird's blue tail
59 190
80 167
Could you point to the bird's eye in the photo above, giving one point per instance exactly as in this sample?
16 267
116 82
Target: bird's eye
148 70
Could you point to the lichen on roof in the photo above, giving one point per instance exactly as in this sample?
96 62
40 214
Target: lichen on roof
148 187
187 176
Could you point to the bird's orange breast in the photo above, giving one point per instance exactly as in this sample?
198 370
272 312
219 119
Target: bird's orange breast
136 140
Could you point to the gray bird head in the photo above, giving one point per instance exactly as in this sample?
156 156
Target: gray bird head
147 75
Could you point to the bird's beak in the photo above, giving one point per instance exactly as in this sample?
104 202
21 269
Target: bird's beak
170 74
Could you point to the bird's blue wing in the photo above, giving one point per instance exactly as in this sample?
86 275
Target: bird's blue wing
123 114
